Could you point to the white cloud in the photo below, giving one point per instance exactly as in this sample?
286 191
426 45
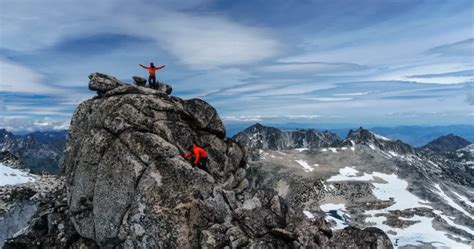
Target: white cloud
328 99
28 109
211 41
243 118
259 118
17 78
22 124
352 94
313 67
198 41
461 48
410 72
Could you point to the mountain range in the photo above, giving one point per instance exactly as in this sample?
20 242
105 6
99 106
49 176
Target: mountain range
38 151
418 196
415 136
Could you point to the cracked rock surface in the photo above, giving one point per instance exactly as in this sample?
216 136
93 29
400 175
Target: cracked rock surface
127 185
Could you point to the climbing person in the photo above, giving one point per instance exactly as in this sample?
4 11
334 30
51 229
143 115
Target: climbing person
199 156
152 76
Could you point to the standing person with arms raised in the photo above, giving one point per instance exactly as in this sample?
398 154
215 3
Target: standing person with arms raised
152 76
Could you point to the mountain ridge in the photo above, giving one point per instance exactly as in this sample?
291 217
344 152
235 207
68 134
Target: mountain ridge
38 151
264 137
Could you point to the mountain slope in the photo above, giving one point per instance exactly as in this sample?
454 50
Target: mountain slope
38 151
448 143
370 180
20 192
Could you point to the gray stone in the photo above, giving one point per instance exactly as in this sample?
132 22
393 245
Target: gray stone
139 81
102 83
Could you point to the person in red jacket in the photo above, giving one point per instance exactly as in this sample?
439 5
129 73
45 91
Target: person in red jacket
152 76
200 159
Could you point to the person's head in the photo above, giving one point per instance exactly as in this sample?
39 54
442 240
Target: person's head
151 64
190 147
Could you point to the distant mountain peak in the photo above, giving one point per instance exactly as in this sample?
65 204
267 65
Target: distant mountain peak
447 143
374 140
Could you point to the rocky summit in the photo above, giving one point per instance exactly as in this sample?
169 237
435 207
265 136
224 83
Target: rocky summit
127 185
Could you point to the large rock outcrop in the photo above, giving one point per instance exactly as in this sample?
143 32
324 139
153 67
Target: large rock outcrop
129 187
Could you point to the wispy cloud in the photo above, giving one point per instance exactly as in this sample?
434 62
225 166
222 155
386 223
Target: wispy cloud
313 67
465 73
463 48
210 41
259 118
17 78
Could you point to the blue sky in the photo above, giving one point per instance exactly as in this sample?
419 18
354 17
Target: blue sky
364 62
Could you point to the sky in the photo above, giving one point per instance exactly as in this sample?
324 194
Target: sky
354 62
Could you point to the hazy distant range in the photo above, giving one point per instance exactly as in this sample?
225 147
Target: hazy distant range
413 135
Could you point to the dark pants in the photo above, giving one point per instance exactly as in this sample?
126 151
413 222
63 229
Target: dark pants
152 81
202 164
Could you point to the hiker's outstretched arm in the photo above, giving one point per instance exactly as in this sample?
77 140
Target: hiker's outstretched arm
143 66
160 67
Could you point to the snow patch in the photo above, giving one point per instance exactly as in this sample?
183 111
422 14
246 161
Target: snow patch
417 234
450 201
393 153
464 199
422 231
302 149
9 176
333 150
450 222
305 165
395 188
308 214
337 213
381 137
349 174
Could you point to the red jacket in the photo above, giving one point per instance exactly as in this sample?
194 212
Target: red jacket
152 70
198 153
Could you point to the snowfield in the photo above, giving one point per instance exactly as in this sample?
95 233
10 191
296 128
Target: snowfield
9 176
396 189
